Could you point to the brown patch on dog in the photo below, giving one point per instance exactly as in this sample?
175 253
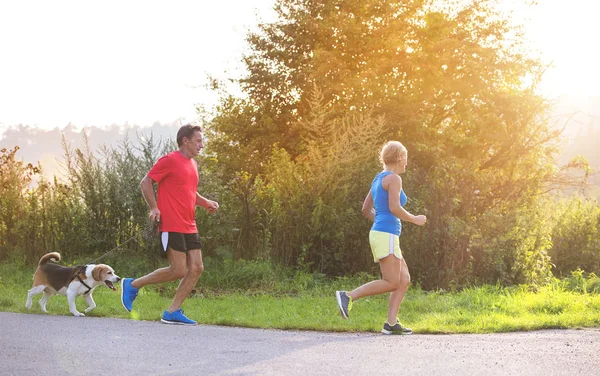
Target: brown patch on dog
40 278
79 272
96 273
52 256
100 272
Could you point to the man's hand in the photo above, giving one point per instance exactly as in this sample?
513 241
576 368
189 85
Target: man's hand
154 215
211 206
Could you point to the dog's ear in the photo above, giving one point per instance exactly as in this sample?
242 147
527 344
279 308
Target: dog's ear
96 273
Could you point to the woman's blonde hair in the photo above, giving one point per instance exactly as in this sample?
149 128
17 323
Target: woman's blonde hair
392 152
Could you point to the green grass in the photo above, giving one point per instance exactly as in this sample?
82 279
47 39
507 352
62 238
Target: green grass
257 295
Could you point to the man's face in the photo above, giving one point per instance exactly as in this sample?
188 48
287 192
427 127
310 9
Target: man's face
194 144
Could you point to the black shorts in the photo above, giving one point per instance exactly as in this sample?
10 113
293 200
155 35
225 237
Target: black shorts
179 242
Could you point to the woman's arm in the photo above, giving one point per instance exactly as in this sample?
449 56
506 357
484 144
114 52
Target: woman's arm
394 186
367 208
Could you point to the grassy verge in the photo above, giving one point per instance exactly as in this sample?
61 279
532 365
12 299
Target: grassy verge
260 296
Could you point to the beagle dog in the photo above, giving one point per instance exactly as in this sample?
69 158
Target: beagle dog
52 279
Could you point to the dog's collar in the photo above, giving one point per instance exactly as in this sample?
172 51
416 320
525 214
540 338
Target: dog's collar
83 268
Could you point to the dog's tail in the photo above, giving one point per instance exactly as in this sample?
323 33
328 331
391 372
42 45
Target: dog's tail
54 256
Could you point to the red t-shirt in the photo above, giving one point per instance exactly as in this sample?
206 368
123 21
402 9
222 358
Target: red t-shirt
177 178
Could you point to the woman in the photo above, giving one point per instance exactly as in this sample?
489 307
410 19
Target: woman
384 206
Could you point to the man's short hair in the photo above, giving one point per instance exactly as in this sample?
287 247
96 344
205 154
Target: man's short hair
187 131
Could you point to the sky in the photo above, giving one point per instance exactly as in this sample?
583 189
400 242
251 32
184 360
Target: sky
565 32
101 63
139 62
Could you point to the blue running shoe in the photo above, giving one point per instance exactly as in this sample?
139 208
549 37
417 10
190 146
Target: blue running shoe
128 293
176 317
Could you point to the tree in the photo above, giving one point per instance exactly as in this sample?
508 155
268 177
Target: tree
454 82
15 178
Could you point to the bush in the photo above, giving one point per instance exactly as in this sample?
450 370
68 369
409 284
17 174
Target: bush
575 238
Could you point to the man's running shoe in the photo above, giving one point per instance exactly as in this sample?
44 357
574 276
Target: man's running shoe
176 317
128 293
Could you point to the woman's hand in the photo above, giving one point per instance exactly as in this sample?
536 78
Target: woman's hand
419 220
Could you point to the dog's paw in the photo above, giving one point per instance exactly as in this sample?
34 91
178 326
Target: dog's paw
44 310
78 314
88 309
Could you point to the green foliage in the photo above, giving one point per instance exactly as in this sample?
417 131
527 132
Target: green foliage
314 201
576 244
97 207
291 160
17 207
329 82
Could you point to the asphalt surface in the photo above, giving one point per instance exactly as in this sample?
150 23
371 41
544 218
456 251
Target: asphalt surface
65 345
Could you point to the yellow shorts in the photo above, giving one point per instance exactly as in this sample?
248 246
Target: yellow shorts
384 244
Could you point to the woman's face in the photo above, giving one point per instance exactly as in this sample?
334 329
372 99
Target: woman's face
401 165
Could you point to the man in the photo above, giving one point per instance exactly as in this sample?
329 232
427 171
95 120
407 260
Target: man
177 177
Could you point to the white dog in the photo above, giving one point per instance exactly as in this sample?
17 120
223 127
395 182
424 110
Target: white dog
52 279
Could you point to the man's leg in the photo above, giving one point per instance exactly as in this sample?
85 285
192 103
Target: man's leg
195 267
173 272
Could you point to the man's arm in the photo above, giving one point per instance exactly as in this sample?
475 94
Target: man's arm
147 187
209 205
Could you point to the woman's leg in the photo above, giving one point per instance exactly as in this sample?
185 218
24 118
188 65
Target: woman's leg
397 295
390 271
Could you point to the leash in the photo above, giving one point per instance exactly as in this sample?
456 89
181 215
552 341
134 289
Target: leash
114 249
146 233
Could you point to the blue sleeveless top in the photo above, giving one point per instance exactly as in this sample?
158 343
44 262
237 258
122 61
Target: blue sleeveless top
385 221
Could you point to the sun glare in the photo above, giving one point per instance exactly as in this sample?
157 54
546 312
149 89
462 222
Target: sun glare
564 34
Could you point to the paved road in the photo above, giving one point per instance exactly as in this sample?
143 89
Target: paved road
52 345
